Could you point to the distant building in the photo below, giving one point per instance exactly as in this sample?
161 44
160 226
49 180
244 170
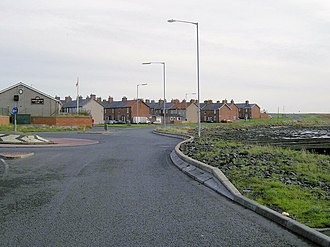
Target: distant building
184 111
157 110
125 110
29 100
216 112
248 111
89 105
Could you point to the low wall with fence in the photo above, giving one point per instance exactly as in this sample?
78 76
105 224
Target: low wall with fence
63 121
4 120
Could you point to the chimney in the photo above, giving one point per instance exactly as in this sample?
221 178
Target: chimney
218 101
98 99
192 101
147 101
153 101
68 99
110 99
232 101
80 97
208 101
160 101
124 98
247 102
93 96
58 97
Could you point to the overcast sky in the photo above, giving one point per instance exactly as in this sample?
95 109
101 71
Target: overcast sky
273 53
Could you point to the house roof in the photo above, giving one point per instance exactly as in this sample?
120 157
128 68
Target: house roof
120 104
160 106
73 103
21 84
212 106
181 105
245 106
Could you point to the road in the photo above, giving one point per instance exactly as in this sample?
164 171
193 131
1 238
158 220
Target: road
123 191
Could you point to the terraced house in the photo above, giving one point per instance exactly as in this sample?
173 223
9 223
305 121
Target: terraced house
125 110
216 112
89 105
248 111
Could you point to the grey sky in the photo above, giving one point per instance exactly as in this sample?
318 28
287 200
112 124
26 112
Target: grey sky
274 53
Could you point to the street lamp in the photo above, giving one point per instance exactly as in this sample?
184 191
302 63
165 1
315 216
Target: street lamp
137 100
164 81
198 92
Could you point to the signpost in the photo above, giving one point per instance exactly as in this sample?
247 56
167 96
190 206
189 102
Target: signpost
15 111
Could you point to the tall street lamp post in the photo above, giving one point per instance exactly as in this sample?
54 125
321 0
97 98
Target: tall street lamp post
137 100
198 92
164 81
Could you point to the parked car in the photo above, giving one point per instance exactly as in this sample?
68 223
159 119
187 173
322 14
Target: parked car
111 121
226 121
141 120
121 122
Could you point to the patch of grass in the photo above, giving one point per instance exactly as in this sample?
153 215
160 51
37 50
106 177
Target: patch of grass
285 180
27 128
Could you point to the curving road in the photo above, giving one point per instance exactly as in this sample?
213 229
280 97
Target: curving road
123 191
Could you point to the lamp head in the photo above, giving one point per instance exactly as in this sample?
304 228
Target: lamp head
171 21
146 63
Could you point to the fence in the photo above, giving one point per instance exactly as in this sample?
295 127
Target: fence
4 111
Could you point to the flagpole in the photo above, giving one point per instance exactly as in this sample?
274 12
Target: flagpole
77 85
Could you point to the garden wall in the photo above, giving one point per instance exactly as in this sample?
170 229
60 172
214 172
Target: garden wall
63 121
4 120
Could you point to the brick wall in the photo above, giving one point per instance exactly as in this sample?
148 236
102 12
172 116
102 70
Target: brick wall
63 121
4 120
255 112
144 110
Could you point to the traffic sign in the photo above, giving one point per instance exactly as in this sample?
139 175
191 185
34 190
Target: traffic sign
14 110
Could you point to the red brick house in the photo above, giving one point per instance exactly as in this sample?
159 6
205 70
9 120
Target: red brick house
215 112
124 110
248 111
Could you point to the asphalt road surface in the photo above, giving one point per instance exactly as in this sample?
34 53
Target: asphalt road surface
123 191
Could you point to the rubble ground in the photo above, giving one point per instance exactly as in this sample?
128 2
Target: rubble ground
286 180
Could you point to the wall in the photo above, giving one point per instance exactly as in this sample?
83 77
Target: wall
63 121
144 110
4 120
225 112
235 114
255 112
192 113
96 110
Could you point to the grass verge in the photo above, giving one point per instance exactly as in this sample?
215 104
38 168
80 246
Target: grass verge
293 181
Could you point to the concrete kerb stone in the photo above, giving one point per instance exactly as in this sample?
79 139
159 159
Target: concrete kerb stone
15 155
235 195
